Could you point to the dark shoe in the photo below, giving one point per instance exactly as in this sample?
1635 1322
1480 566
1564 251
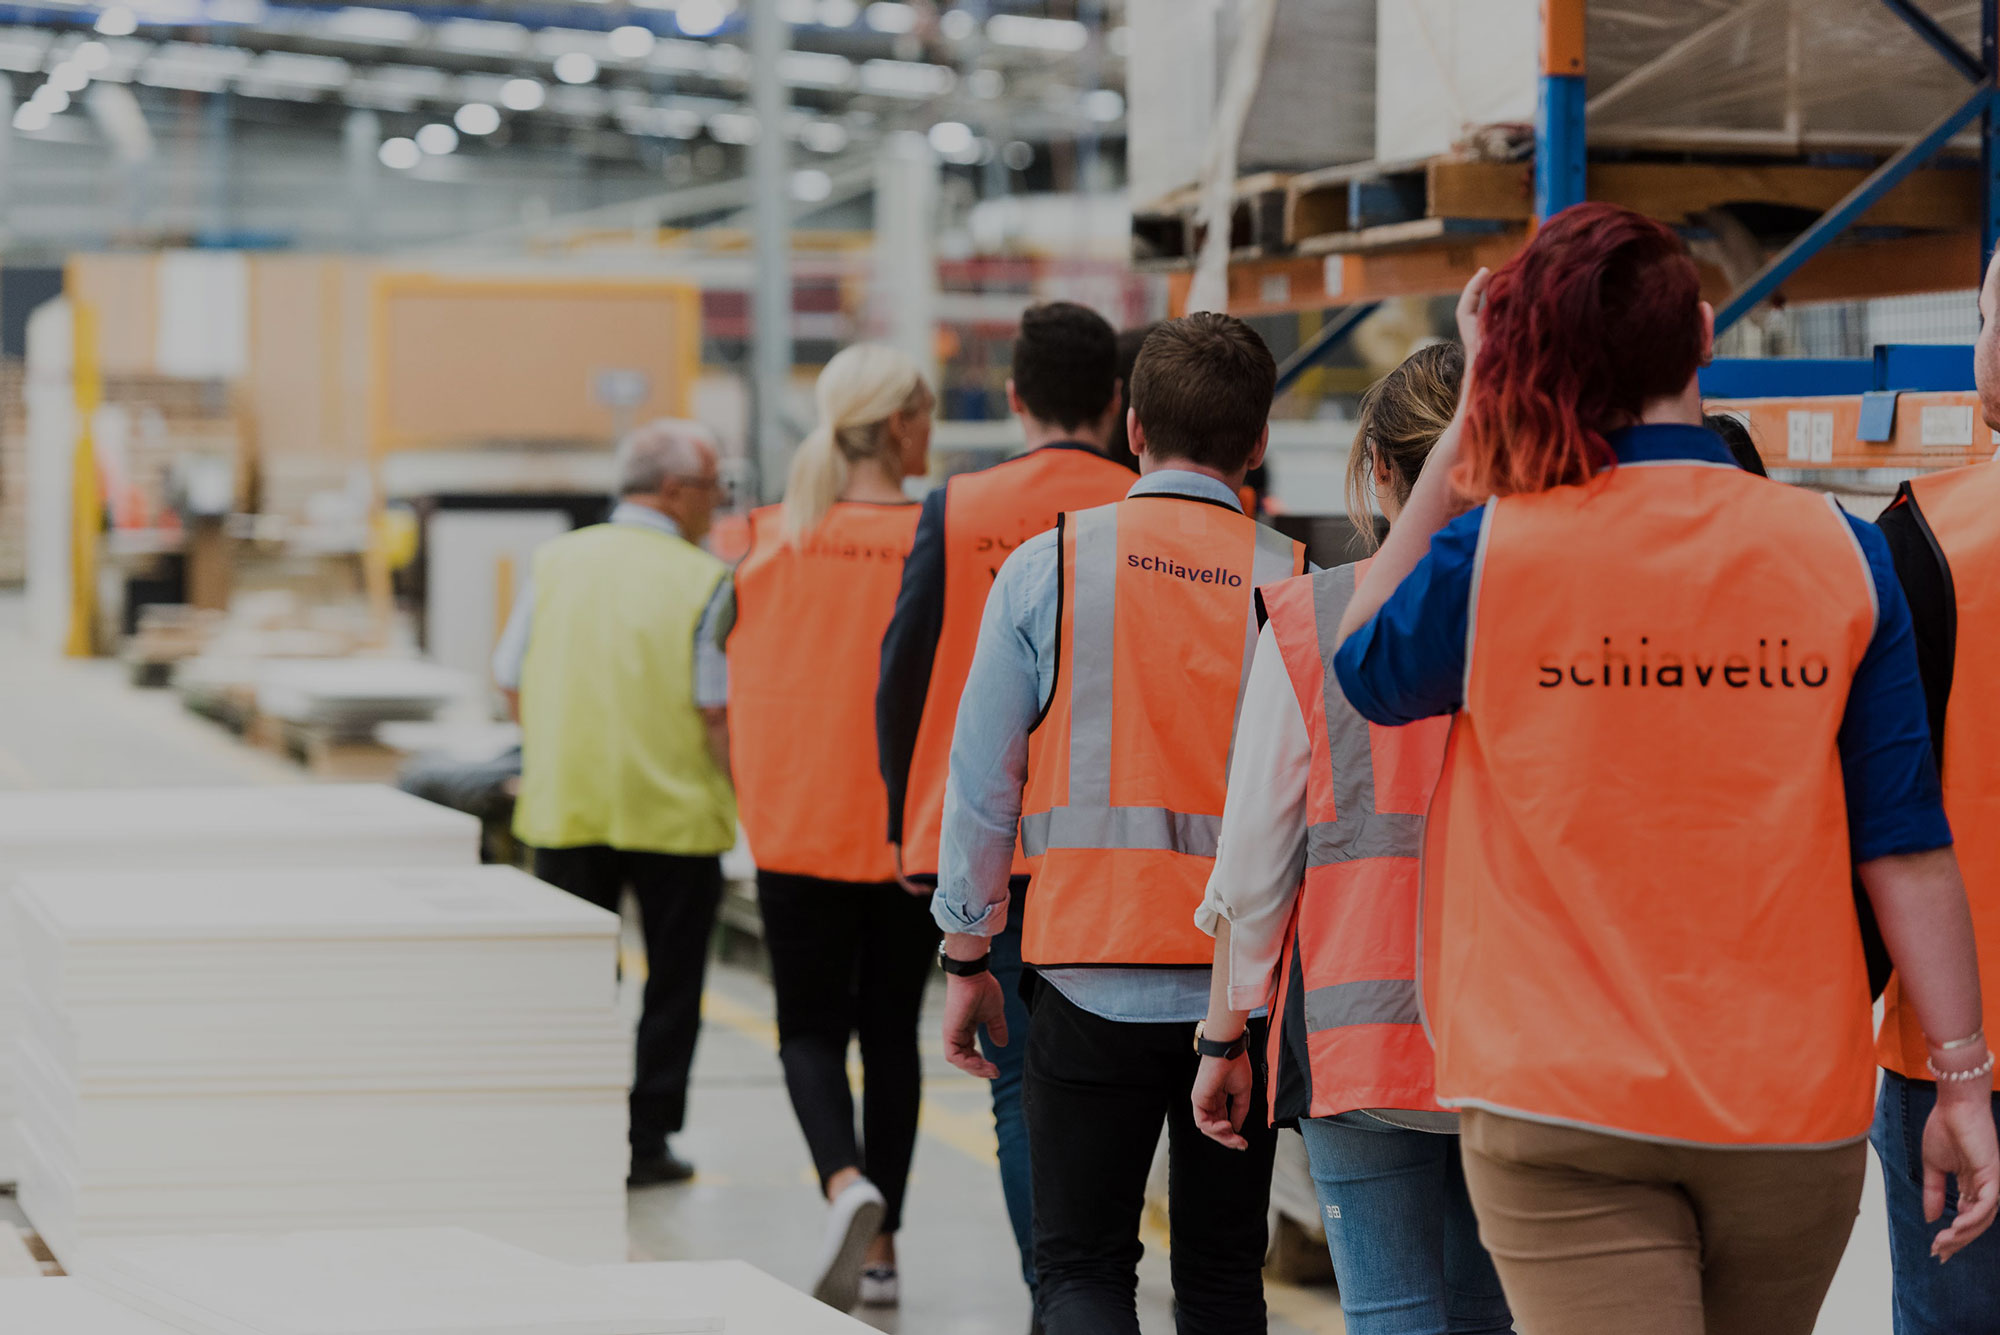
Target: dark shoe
654 1170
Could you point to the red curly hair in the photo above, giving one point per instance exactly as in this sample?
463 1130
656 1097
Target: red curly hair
1600 314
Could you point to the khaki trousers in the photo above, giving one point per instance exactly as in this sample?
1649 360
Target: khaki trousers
1596 1234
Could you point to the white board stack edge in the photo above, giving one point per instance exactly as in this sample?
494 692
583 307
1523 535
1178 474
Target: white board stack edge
165 829
269 1051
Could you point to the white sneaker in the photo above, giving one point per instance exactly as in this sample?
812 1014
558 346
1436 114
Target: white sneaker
852 1221
879 1287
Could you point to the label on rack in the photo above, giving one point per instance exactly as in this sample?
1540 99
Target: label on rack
1276 289
1947 426
1336 275
1822 438
1798 435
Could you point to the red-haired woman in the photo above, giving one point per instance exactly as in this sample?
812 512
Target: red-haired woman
1642 972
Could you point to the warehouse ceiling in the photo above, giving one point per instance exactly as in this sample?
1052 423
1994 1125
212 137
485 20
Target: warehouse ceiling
1007 90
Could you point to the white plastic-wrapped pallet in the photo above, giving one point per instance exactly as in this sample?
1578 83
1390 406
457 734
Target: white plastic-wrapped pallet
264 1051
134 829
1763 76
1313 107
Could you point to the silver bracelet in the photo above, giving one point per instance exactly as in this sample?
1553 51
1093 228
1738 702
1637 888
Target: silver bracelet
1977 1036
1984 1068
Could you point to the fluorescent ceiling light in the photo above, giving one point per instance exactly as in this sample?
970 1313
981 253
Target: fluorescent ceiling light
1020 155
528 94
957 25
838 13
399 153
301 71
906 78
118 21
32 118
631 42
891 18
727 61
1037 34
810 185
986 84
702 18
91 56
389 27
236 11
487 37
733 127
823 136
815 69
1104 105
70 77
51 99
437 139
949 137
575 67
23 51
477 118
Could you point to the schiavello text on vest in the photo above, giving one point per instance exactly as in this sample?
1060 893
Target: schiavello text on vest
1609 665
1161 565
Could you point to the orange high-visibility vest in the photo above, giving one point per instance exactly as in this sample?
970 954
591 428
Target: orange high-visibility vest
1637 914
1127 768
1349 966
1960 511
803 661
986 516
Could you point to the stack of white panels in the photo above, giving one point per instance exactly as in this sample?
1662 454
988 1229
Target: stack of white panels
253 1052
350 696
166 829
69 1307
387 1282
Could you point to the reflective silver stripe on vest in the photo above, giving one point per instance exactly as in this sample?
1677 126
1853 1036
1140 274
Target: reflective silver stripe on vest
1089 821
1093 640
1372 1001
1357 830
1273 560
1149 828
1372 834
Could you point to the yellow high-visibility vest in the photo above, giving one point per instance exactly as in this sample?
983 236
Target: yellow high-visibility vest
613 748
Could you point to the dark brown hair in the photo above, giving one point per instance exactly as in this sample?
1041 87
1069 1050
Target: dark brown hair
1202 390
1065 363
1401 417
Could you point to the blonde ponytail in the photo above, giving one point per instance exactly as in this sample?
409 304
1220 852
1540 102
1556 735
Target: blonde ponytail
858 392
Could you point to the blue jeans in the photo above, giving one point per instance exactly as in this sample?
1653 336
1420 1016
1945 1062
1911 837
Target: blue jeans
1963 1297
1399 1224
1009 1125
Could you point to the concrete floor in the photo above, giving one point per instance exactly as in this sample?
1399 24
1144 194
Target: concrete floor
80 725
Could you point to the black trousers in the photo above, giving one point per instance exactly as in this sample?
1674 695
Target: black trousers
851 960
1097 1092
677 898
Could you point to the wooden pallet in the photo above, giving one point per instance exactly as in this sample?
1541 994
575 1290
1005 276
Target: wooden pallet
1167 233
23 1255
330 755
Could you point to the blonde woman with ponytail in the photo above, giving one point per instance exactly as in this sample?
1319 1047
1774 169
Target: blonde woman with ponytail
851 945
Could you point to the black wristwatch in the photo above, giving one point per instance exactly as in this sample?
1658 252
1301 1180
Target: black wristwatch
1228 1052
961 968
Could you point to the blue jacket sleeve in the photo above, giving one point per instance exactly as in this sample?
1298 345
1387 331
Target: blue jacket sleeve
1408 661
1894 803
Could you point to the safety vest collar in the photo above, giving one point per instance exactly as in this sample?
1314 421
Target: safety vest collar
1668 442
